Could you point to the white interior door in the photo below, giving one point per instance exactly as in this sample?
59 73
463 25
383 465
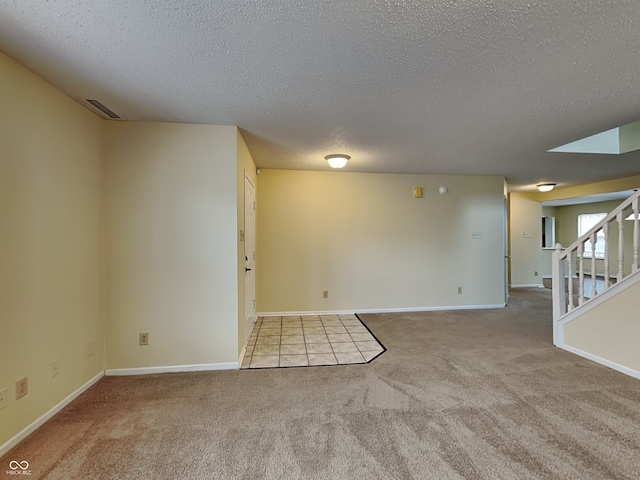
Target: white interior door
249 256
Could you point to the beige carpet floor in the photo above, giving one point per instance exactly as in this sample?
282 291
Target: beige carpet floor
458 395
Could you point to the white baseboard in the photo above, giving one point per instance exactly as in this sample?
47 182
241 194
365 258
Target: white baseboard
13 441
528 285
205 367
601 361
382 310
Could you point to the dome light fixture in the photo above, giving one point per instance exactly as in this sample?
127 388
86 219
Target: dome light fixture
546 187
337 160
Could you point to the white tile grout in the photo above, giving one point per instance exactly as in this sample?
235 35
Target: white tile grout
271 324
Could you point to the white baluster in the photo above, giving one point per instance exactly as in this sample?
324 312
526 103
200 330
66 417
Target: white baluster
593 240
636 247
620 218
570 281
580 274
559 292
605 230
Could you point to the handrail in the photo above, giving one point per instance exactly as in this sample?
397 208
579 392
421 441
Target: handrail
611 216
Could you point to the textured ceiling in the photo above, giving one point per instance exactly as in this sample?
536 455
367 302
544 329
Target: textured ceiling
404 86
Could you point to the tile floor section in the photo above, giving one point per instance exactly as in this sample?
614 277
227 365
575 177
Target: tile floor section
310 340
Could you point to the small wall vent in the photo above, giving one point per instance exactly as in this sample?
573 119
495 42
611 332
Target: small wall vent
106 111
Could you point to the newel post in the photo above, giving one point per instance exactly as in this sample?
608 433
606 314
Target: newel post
558 288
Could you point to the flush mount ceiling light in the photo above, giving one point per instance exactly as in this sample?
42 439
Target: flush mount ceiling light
546 187
337 160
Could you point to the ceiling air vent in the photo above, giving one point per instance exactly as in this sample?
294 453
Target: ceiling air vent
103 109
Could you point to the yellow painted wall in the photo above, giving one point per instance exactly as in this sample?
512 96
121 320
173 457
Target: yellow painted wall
566 217
610 330
372 245
525 217
50 150
171 236
245 166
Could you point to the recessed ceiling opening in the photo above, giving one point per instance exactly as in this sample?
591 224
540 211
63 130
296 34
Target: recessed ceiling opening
616 141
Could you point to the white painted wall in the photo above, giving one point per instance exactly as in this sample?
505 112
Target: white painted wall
49 245
171 240
372 245
525 218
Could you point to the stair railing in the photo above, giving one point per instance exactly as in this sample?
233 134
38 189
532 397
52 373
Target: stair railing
569 264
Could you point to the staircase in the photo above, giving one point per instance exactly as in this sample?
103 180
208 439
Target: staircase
601 264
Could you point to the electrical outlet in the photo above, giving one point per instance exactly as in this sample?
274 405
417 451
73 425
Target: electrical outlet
535 274
55 368
3 398
325 294
22 388
144 338
459 290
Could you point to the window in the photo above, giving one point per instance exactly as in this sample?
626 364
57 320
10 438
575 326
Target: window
586 221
